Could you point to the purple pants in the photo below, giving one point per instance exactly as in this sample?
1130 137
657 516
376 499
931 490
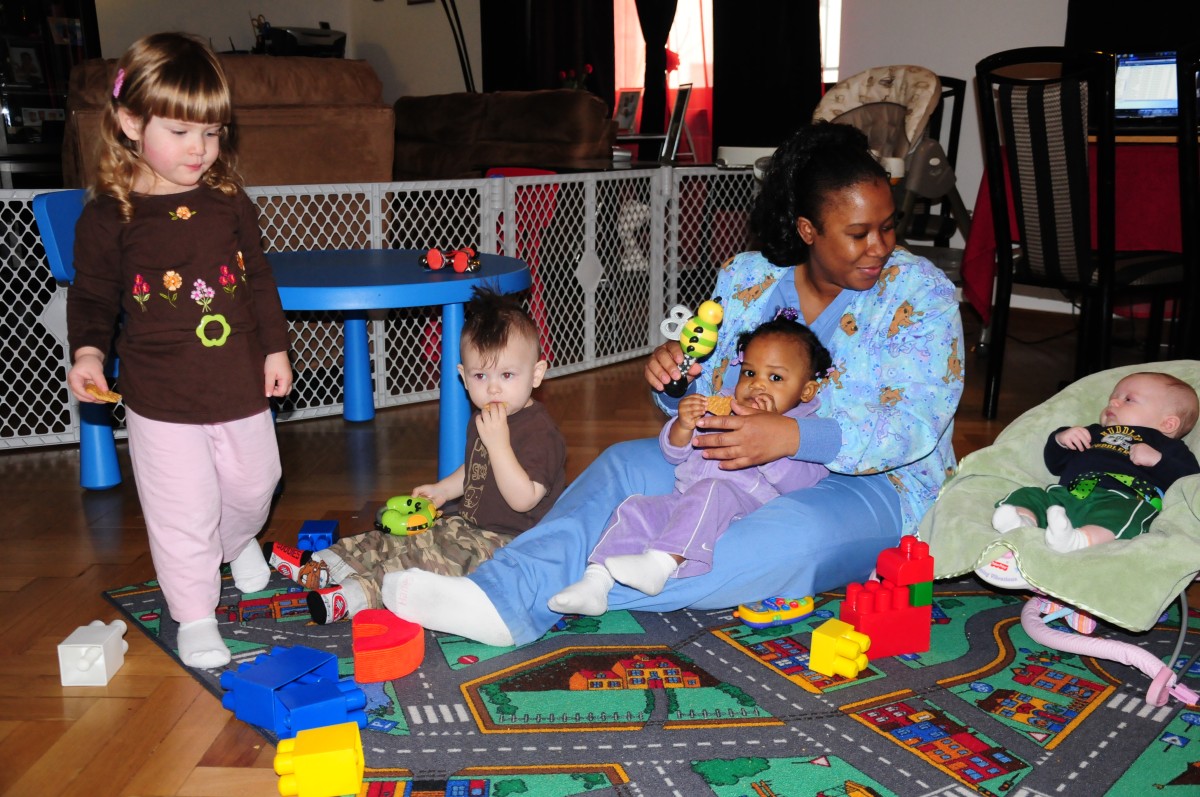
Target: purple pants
686 523
205 491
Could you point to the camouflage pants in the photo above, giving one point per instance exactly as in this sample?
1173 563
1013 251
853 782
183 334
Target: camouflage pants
451 547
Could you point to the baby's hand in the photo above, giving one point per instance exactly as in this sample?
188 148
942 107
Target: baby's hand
430 491
764 402
1144 455
492 425
1077 438
691 408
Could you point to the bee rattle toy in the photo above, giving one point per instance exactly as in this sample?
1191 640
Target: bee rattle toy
697 337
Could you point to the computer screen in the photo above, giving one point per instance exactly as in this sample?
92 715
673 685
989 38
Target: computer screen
1146 86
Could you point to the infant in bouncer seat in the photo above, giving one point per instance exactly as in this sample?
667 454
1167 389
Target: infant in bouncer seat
1112 474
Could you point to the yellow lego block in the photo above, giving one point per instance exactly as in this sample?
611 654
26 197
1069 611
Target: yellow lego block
837 649
321 762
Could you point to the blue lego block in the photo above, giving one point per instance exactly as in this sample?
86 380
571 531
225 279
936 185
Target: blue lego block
315 705
317 534
252 691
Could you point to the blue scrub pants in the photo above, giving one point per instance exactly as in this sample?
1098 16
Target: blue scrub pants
808 541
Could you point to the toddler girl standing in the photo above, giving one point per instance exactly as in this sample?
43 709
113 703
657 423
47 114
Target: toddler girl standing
169 240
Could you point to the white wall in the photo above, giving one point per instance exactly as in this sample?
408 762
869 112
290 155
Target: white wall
410 46
948 37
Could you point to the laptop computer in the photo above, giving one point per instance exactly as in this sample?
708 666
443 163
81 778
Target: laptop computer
1145 95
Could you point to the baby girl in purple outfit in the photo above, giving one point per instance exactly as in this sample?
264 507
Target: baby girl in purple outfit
650 538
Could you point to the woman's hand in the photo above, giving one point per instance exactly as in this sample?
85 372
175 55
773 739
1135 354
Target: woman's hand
662 366
747 438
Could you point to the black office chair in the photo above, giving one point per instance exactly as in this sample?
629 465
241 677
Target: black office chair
1187 333
1033 106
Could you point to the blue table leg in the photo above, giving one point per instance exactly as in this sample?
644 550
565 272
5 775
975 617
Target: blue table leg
358 398
455 410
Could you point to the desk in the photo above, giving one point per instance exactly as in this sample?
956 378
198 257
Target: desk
353 281
1147 179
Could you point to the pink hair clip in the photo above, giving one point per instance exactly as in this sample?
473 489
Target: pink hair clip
118 83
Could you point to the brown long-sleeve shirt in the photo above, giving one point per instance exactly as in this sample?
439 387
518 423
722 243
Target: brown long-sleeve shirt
201 308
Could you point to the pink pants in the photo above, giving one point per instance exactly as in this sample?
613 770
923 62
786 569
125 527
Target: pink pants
205 492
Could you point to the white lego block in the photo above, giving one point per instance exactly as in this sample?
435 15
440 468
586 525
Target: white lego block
92 654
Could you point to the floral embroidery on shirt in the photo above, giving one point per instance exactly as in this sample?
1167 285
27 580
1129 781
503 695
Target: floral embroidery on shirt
241 265
141 291
202 294
172 282
228 280
181 213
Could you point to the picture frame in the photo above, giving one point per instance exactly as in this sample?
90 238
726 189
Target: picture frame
676 126
25 64
625 112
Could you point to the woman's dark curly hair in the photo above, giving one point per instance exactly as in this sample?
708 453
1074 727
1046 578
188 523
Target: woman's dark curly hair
818 356
814 162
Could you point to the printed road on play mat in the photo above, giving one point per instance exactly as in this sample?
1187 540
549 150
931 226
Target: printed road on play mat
695 703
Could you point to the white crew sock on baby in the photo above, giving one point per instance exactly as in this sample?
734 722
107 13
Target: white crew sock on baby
250 570
450 604
339 571
646 572
1061 536
200 644
587 596
1006 518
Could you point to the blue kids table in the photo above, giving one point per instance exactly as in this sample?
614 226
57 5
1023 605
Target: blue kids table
354 281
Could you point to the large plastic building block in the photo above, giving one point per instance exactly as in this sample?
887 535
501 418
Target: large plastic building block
317 534
321 762
385 646
320 703
92 654
252 690
883 612
838 649
906 564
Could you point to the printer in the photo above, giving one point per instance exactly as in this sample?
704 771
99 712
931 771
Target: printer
316 42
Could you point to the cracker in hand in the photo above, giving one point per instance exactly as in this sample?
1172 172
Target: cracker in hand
102 395
719 405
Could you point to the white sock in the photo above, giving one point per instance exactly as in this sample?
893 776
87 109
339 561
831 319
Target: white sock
200 644
356 597
646 572
588 595
1006 518
339 571
250 569
450 604
1061 536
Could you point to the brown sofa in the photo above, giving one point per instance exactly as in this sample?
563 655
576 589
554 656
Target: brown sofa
299 120
449 136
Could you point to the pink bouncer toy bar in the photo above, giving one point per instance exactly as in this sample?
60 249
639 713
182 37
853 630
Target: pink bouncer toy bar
1038 612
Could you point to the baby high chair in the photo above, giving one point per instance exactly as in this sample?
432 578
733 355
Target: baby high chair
1126 582
892 105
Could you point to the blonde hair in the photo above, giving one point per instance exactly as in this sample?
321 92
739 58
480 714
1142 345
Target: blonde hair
169 76
1180 397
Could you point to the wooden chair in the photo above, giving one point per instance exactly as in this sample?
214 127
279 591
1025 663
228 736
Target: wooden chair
1034 107
56 214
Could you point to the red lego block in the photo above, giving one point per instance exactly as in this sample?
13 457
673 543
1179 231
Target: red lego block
882 611
385 647
907 564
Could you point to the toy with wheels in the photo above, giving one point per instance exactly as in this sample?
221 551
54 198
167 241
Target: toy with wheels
697 337
774 611
406 514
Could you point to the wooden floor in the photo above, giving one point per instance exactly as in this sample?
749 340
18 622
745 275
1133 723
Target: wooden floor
154 730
